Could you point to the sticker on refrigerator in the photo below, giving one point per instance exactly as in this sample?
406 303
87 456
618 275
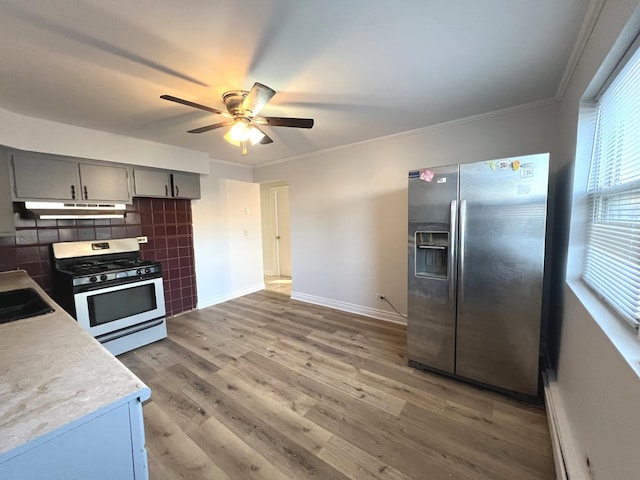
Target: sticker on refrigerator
492 165
414 174
427 175
515 165
441 180
526 170
503 165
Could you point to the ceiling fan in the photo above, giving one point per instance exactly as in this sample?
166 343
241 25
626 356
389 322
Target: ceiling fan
243 108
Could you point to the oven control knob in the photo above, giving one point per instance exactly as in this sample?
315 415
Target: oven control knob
139 271
147 270
103 277
93 279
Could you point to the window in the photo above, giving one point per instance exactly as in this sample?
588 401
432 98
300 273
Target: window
612 263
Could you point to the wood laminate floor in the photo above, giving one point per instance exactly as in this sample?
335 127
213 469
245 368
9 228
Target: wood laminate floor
264 387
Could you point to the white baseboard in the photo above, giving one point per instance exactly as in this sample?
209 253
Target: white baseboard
349 307
207 302
569 464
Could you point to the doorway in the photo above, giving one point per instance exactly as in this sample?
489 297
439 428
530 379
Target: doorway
276 237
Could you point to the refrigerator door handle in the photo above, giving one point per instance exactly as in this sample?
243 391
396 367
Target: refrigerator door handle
463 228
453 244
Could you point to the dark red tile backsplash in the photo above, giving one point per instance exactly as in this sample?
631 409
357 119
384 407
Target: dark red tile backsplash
166 223
163 219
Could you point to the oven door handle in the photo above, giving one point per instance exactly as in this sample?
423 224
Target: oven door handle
123 332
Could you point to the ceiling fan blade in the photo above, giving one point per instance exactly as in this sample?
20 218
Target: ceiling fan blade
266 139
190 104
257 98
288 122
211 127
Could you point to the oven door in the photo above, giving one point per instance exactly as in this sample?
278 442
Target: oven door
104 310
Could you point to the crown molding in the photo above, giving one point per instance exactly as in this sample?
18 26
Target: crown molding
589 22
418 131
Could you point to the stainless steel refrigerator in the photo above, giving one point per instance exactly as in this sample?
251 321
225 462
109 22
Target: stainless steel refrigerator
476 255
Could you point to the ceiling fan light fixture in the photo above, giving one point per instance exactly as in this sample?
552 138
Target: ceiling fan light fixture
241 131
227 137
255 135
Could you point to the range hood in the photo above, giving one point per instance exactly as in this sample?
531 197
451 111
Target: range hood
56 210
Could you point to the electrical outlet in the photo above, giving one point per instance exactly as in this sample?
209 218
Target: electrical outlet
379 296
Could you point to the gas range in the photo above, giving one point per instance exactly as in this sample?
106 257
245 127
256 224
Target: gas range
102 262
113 293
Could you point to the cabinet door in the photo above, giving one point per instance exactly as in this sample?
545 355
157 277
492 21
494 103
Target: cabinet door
104 183
151 183
43 178
186 186
7 224
100 447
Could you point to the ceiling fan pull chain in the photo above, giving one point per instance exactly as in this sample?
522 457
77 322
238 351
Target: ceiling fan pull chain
244 147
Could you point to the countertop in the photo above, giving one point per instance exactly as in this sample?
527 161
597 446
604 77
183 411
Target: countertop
53 375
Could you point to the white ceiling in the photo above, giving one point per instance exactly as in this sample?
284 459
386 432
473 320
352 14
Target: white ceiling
361 68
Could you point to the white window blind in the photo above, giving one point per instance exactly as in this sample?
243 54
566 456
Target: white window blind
612 263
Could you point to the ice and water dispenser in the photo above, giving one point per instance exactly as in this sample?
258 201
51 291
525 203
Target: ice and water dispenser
432 254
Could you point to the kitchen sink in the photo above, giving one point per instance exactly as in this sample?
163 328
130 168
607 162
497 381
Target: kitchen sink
21 303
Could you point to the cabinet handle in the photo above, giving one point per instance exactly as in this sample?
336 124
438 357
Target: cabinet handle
166 190
73 192
86 193
177 191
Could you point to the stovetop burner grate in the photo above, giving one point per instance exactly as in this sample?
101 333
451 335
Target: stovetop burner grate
89 268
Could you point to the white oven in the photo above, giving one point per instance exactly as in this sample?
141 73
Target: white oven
102 310
113 294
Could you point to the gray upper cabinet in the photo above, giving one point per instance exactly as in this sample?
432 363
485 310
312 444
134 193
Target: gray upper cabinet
151 183
39 176
160 183
7 223
104 183
42 178
46 177
186 185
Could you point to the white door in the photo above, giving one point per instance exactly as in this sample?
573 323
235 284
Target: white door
280 196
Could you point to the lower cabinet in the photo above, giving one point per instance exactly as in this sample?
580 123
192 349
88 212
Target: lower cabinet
105 445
